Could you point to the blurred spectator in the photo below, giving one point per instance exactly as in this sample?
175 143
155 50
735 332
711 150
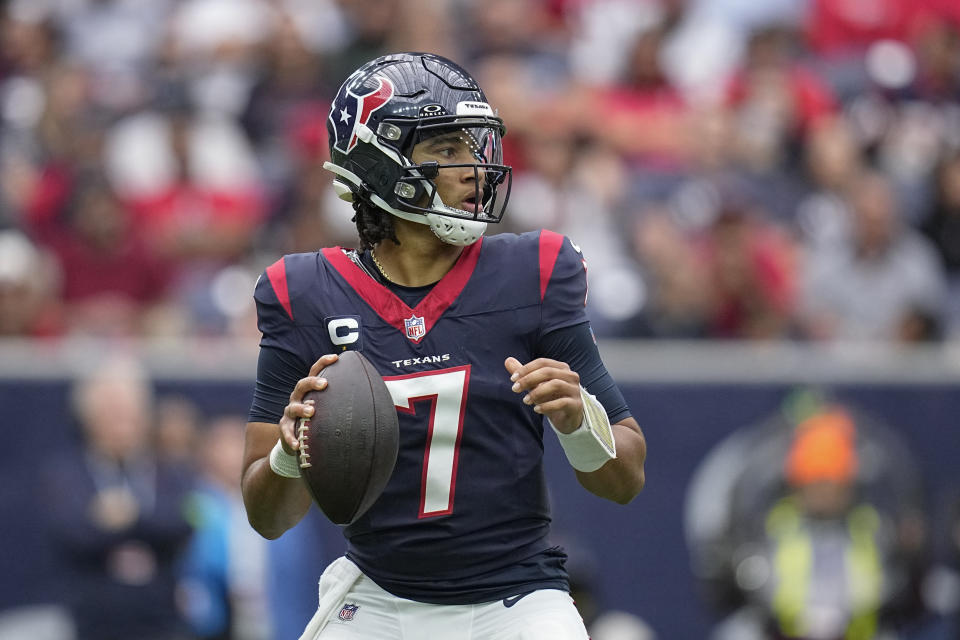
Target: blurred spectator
942 226
776 100
115 42
516 51
522 30
711 39
832 159
879 280
907 115
28 288
369 25
177 430
215 49
809 526
190 180
56 137
676 301
936 45
643 116
113 283
751 276
224 575
192 184
29 39
843 27
285 116
439 33
116 513
602 31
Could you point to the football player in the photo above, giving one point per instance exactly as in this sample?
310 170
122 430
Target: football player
478 340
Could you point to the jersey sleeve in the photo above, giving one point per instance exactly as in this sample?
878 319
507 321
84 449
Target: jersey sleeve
278 372
283 352
563 282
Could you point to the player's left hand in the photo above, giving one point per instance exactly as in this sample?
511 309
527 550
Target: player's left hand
551 387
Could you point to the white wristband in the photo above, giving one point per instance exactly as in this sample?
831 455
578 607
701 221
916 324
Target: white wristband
591 445
283 463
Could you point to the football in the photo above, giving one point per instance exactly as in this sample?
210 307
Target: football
349 447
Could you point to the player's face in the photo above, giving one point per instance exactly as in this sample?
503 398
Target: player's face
458 187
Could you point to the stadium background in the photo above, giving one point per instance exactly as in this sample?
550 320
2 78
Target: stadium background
717 160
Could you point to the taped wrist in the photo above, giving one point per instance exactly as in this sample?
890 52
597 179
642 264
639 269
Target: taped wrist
283 463
591 445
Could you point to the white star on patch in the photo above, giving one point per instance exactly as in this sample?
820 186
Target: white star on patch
344 116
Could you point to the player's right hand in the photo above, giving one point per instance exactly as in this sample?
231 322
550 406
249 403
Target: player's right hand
297 408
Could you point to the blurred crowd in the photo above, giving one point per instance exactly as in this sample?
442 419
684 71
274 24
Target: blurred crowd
786 169
133 526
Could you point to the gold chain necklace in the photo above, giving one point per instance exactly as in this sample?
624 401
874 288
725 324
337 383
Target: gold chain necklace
380 268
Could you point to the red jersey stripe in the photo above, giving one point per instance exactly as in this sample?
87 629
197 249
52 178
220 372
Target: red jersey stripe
277 273
550 243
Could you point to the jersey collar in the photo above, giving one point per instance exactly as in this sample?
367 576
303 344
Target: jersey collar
391 308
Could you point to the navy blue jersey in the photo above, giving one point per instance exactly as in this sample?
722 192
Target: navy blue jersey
465 515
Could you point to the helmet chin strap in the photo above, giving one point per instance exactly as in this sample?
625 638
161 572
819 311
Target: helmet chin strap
450 230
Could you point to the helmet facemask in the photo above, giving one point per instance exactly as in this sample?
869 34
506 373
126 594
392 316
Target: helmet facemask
476 174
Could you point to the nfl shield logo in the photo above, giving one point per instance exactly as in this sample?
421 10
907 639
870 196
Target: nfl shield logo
415 327
348 611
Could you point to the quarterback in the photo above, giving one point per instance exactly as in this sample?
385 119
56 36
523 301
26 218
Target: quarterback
484 345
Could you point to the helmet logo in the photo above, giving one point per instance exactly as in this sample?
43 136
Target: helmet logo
351 110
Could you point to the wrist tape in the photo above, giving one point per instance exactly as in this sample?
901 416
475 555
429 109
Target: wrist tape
591 445
283 463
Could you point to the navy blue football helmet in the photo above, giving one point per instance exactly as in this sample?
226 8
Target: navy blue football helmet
392 103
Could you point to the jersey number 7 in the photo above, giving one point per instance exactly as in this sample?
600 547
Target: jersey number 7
446 390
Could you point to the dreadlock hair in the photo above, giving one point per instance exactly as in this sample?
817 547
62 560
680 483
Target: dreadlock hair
373 224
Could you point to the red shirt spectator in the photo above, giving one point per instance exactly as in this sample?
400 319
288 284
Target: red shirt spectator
752 278
110 278
839 26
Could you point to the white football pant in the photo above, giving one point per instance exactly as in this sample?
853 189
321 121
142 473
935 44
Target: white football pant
353 607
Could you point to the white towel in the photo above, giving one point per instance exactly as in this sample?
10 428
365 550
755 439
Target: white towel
335 583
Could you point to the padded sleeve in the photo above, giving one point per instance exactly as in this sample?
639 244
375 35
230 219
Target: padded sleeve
576 346
563 283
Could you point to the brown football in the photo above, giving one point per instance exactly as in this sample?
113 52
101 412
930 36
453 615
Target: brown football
349 447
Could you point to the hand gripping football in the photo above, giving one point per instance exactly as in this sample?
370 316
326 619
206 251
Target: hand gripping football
349 447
